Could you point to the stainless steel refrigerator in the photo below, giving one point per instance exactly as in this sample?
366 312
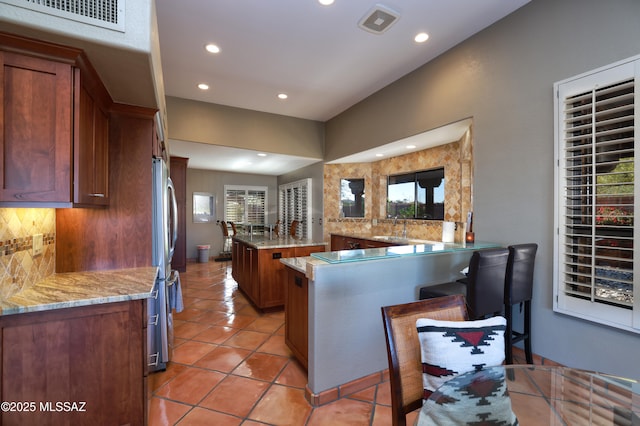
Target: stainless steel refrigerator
165 233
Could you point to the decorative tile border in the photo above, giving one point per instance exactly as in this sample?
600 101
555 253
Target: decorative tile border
16 245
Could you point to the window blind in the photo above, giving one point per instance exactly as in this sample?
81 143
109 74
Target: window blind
596 196
245 204
295 204
599 160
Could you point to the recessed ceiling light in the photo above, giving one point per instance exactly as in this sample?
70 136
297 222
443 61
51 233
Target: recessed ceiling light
203 86
212 48
282 95
326 2
262 154
421 37
411 146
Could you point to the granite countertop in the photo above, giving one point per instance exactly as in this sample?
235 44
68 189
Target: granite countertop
261 242
74 289
302 264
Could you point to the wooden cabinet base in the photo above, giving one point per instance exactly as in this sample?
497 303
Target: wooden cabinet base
260 274
296 315
81 365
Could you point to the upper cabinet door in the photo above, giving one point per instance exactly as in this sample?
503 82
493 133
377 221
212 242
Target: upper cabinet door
91 149
36 99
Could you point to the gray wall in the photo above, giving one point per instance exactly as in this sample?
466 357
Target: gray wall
503 78
315 172
195 121
213 182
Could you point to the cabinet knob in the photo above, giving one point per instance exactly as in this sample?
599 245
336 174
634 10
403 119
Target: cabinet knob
298 281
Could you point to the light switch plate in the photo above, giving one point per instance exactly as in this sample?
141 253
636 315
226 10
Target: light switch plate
37 244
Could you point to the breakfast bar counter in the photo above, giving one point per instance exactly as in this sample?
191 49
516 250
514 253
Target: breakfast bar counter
344 292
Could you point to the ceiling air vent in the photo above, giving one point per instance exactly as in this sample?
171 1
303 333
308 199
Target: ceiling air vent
101 13
379 19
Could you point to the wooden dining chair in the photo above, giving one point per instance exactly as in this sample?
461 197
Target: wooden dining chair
403 348
293 228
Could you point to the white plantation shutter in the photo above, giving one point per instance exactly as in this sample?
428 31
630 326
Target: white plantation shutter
596 196
244 204
294 200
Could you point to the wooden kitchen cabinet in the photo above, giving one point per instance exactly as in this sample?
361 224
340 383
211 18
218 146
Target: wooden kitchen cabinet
342 242
260 274
178 171
91 143
94 356
271 276
54 130
35 129
296 315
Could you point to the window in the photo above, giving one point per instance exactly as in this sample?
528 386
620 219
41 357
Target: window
295 204
245 204
352 197
417 195
596 196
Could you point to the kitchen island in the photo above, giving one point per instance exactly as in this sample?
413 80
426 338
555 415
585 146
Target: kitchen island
74 349
256 266
344 342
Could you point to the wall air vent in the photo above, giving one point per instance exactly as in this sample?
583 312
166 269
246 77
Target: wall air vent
102 13
379 19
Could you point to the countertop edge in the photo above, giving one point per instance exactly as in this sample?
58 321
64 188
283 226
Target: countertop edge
75 289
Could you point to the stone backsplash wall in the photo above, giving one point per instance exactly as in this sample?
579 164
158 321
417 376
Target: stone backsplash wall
19 269
456 157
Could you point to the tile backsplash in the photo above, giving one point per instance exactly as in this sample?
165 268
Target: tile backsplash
19 269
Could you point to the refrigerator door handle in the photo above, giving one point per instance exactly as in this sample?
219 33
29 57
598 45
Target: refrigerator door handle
174 216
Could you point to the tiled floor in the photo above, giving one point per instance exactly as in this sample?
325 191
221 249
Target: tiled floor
231 366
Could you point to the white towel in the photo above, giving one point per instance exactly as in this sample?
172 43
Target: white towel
175 294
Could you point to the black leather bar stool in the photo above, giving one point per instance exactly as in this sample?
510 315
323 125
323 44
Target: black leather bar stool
518 289
484 286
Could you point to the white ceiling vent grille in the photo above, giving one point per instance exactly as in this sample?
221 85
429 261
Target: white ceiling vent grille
379 19
101 13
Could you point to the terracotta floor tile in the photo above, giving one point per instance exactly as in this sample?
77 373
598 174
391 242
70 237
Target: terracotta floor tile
213 317
265 324
366 395
247 339
261 366
293 375
186 330
238 321
383 394
382 416
191 385
223 358
159 378
188 314
235 395
248 310
282 405
163 412
206 304
344 411
275 345
203 417
215 334
191 351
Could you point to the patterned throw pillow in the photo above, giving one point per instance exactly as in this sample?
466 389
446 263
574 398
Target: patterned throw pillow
475 398
450 348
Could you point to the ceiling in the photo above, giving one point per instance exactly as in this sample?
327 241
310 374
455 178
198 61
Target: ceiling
317 55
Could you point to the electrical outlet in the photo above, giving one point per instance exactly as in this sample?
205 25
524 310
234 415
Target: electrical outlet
37 244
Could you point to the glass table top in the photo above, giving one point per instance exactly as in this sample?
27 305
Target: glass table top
526 394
